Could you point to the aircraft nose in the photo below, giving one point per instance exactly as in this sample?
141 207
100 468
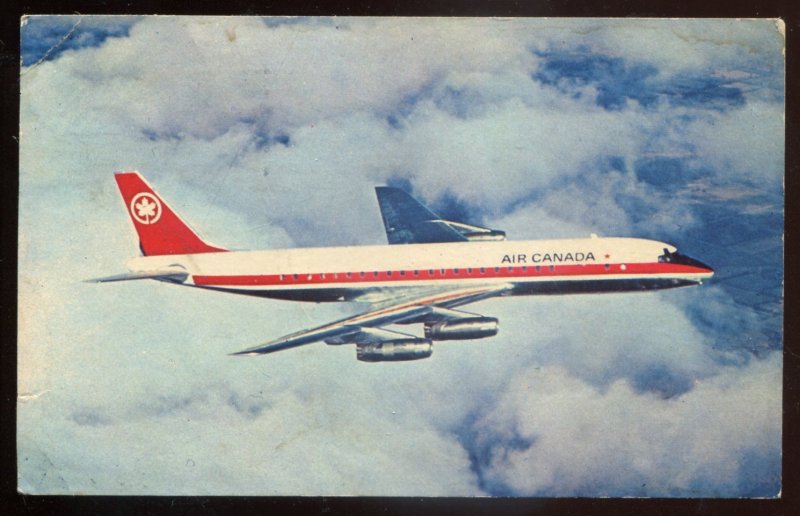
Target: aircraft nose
699 264
682 259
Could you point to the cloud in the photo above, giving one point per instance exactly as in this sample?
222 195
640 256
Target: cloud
616 82
250 65
572 438
272 133
725 48
757 155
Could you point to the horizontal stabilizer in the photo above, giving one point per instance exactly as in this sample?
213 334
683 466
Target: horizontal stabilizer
175 275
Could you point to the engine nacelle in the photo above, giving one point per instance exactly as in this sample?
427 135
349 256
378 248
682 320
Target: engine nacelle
395 350
462 329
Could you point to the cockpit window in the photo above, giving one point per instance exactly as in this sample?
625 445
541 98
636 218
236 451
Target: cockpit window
680 259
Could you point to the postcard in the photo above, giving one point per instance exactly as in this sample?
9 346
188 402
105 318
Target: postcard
401 256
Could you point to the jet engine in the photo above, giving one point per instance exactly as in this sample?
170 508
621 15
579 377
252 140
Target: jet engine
395 350
462 329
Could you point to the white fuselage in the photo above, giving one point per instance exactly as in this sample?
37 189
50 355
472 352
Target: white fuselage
350 273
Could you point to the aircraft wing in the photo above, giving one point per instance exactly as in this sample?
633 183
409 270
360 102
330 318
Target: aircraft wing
366 327
408 221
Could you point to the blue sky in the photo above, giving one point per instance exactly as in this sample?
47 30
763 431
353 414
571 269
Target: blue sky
272 133
46 38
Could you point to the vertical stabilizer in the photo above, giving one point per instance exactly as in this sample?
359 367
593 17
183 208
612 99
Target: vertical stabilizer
161 231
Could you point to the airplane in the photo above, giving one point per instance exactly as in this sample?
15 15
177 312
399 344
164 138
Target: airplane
430 267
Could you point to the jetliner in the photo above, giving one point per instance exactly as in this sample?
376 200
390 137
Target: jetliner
430 267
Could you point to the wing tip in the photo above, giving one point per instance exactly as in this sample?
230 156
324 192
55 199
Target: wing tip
259 350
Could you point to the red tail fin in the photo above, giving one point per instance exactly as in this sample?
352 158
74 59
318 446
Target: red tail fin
161 231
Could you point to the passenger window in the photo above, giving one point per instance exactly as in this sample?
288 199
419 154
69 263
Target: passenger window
416 273
497 269
388 273
483 270
296 276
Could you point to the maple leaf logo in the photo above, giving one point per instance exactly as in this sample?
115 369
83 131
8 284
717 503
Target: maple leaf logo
146 208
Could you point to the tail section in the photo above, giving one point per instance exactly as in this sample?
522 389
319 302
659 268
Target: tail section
161 231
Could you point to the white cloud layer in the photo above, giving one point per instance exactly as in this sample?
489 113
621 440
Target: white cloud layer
601 443
273 136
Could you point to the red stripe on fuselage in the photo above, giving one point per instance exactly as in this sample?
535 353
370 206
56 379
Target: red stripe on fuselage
395 277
